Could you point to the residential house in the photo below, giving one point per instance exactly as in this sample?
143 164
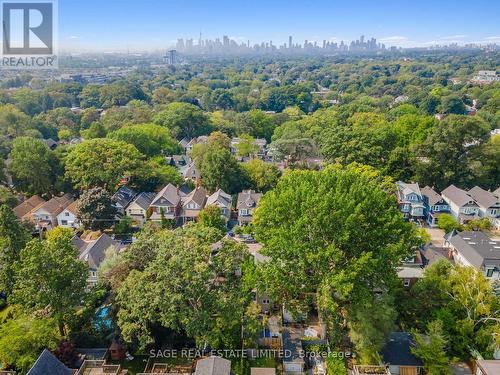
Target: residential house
489 203
398 356
487 367
462 206
223 201
246 205
476 249
410 200
189 146
93 253
293 361
213 366
67 217
138 208
122 198
192 204
45 216
411 270
47 363
190 172
166 203
183 143
262 371
260 145
434 206
24 211
485 77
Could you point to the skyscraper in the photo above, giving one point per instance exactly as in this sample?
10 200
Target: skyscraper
290 42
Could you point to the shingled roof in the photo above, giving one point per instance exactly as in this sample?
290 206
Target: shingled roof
431 196
213 366
47 363
484 198
28 206
456 195
169 195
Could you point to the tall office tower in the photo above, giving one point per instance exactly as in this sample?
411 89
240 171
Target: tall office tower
225 41
171 57
290 42
362 39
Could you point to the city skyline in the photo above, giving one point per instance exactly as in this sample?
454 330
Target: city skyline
154 25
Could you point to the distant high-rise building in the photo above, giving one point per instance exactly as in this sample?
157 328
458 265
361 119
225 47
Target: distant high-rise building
225 41
171 57
290 42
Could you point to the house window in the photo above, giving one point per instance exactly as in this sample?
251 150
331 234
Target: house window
265 302
64 222
489 272
406 282
244 212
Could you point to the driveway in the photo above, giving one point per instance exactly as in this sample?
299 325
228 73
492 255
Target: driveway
437 236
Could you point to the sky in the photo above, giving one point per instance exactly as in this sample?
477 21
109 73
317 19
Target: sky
139 25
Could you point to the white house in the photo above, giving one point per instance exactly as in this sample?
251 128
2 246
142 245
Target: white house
489 203
67 217
476 249
138 208
45 216
462 206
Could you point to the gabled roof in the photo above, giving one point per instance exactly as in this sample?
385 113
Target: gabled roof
168 196
55 205
93 252
48 364
430 195
484 198
124 196
397 351
28 206
406 189
477 247
143 200
496 193
456 195
198 196
221 197
248 199
213 366
72 207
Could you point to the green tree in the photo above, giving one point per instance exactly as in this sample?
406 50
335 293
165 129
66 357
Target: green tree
452 104
13 238
262 176
246 146
448 223
220 170
7 197
431 349
95 209
102 163
184 120
23 339
211 216
335 234
149 139
202 295
31 165
50 276
447 154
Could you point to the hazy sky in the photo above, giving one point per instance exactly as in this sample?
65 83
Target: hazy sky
152 24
